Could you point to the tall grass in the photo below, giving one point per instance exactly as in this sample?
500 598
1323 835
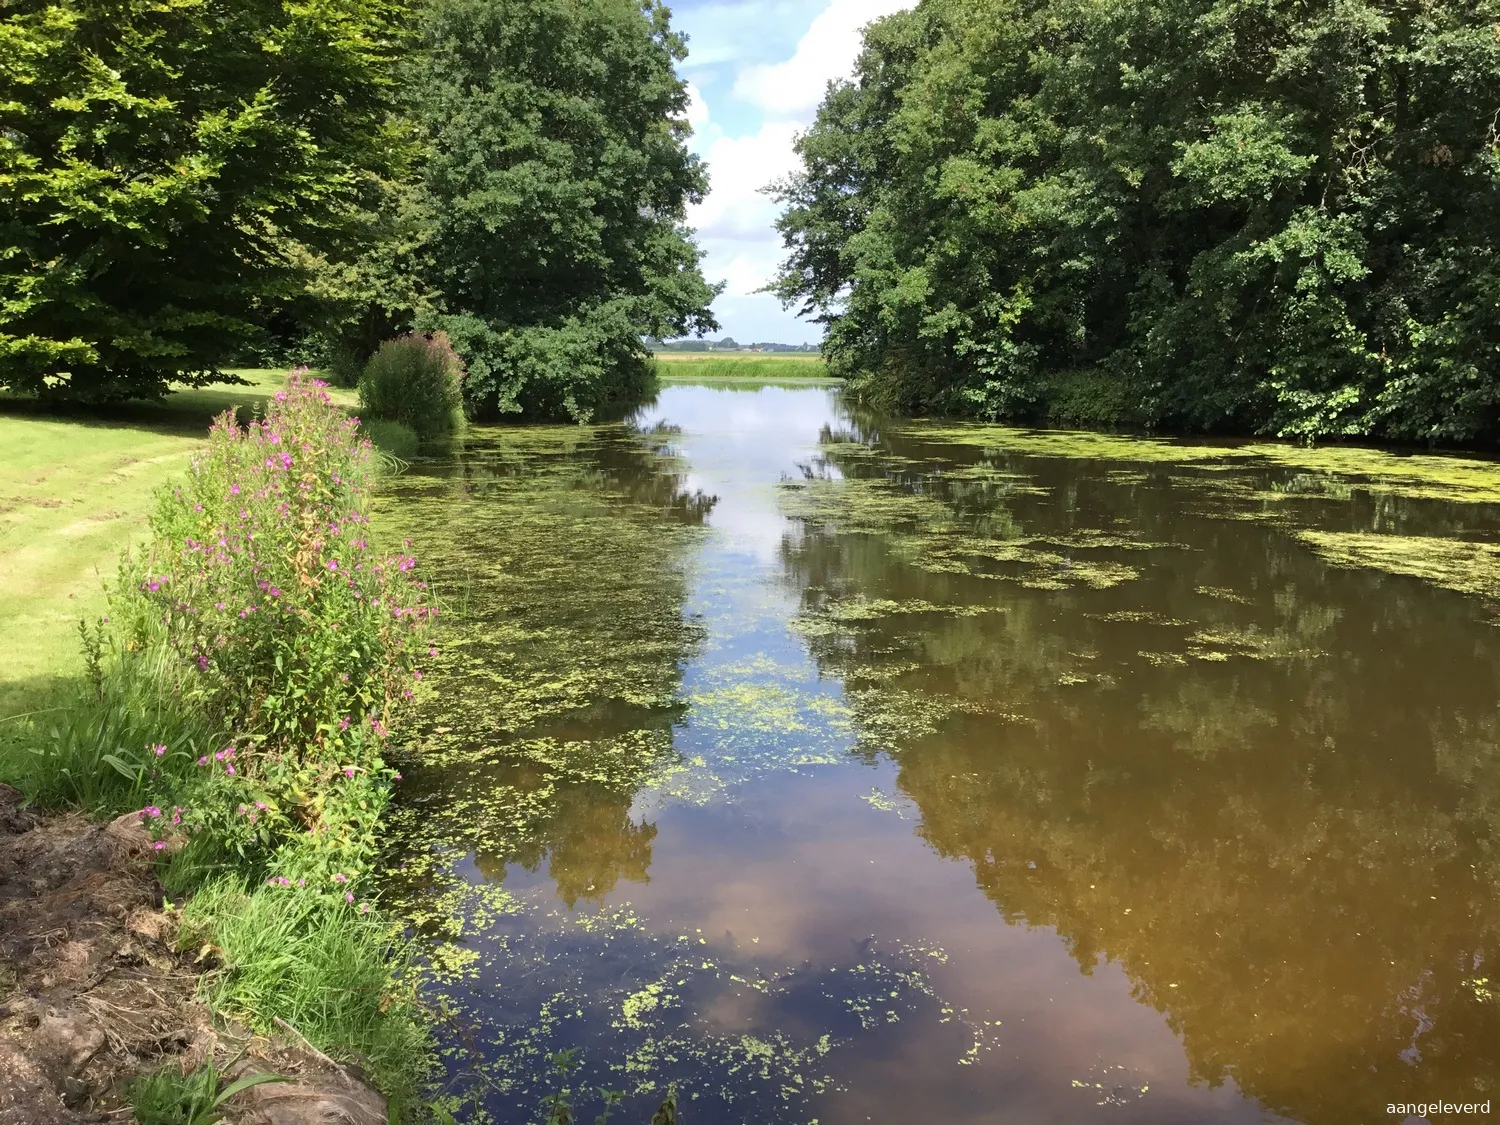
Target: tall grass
95 748
330 969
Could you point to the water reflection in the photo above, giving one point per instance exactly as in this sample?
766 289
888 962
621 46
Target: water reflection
1261 785
562 550
841 769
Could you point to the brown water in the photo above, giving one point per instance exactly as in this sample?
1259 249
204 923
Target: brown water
837 772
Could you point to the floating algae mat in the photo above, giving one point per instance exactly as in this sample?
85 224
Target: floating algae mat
824 770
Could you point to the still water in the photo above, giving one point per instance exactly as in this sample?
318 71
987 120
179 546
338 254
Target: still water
839 771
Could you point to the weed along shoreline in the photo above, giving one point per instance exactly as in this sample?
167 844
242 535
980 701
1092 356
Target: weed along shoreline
188 836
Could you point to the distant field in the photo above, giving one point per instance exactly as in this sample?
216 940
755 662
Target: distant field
756 366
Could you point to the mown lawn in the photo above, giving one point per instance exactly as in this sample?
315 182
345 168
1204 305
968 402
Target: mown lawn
75 489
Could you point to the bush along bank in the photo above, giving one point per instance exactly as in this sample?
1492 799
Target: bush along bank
238 709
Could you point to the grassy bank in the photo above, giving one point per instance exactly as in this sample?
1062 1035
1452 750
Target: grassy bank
741 367
75 491
239 698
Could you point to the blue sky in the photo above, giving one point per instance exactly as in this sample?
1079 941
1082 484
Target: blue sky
757 69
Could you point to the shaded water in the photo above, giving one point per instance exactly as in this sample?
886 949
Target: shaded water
837 772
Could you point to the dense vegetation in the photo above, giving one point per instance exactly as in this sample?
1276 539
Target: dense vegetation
190 183
415 382
559 180
1197 214
240 698
160 163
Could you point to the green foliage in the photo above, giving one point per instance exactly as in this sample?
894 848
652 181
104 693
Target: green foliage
1279 220
171 1098
354 302
293 632
97 748
557 177
416 381
164 164
261 573
391 438
330 968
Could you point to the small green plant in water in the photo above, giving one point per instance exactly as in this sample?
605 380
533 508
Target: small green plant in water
559 1105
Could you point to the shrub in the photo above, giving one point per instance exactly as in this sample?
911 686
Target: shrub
391 438
299 637
416 381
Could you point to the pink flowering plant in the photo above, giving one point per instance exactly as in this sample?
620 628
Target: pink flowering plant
300 637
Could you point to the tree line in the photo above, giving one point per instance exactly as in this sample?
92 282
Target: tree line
1210 215
187 184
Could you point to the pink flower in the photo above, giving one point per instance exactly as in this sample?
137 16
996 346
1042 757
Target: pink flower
159 846
348 896
341 878
229 770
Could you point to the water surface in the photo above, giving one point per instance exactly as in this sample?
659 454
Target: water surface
840 771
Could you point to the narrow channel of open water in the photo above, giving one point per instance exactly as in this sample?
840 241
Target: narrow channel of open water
838 771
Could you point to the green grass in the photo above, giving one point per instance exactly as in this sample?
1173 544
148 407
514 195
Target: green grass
75 490
757 367
334 975
88 749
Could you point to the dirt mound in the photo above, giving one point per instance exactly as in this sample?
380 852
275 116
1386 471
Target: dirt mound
93 992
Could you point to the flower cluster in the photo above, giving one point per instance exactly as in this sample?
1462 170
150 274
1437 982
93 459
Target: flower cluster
290 628
265 581
161 824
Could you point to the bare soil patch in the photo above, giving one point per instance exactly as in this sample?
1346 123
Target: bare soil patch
94 992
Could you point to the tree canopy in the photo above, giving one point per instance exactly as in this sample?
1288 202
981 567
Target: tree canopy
1198 214
185 183
558 178
161 162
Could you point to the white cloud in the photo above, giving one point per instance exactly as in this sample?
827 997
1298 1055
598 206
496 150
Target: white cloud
697 111
739 167
793 89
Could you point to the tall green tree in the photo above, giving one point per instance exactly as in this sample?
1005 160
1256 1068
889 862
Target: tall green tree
558 179
1204 214
164 164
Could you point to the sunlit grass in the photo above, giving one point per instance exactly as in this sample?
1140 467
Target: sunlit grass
333 974
760 367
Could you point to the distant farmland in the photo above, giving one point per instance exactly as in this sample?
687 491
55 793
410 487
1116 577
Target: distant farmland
754 366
